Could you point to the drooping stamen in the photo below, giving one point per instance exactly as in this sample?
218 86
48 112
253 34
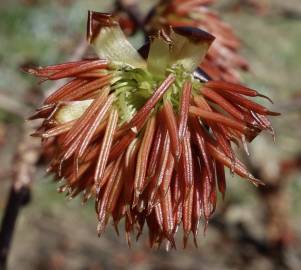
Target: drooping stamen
58 130
48 70
240 100
81 92
73 179
71 148
171 124
159 216
176 198
206 190
187 214
106 145
86 117
187 161
64 90
142 159
107 173
197 201
223 103
216 117
184 109
155 152
264 122
115 191
236 88
165 186
168 221
158 177
218 130
103 196
223 142
70 72
199 139
130 166
239 168
93 127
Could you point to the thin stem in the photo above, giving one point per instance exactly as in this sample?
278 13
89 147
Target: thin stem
18 198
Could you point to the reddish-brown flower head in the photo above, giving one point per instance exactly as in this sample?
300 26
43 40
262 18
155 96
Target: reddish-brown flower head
146 138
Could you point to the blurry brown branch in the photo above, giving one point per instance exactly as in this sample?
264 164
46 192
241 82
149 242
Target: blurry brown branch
24 168
16 199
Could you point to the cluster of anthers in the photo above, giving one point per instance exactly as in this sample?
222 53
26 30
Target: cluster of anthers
222 61
144 132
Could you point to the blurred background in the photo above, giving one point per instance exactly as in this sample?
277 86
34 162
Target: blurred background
254 228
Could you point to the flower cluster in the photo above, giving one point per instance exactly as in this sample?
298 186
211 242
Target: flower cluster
222 61
146 137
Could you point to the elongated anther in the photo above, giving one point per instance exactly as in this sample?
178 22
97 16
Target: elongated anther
62 66
238 168
160 170
187 161
103 196
240 100
115 192
165 186
167 213
184 109
236 88
93 127
187 215
223 103
58 130
171 124
130 165
64 90
106 145
218 118
81 92
78 69
155 152
199 138
142 159
86 117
